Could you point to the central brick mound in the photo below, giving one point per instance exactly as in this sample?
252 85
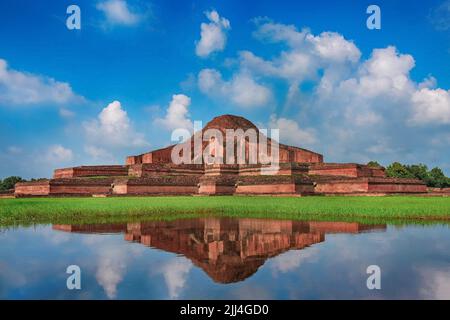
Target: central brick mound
300 172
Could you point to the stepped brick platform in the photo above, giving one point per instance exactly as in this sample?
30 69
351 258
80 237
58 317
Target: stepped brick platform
298 172
91 171
6 194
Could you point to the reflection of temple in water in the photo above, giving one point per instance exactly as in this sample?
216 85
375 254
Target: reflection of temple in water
228 250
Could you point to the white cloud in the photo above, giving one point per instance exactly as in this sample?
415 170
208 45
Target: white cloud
98 153
334 47
436 283
366 118
291 133
361 107
66 113
430 82
20 88
59 154
177 116
213 35
277 32
431 106
118 12
110 270
111 130
175 273
242 89
293 259
306 54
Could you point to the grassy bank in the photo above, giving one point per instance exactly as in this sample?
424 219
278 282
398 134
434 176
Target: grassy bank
98 210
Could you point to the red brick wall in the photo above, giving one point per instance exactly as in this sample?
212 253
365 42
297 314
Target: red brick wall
341 187
397 188
41 188
90 171
78 189
63 173
266 189
215 189
346 169
378 172
348 172
141 189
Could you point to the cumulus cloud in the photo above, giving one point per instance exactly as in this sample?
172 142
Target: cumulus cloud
177 115
110 270
334 47
111 130
98 153
175 273
35 161
306 54
242 89
436 283
213 35
291 133
118 12
21 88
292 260
431 106
362 107
59 154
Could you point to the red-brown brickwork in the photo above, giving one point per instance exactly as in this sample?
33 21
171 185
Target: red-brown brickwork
300 172
228 250
91 171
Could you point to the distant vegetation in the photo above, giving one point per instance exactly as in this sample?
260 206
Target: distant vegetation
433 178
9 183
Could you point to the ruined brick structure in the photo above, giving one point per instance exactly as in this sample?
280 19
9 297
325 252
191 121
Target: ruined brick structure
228 250
300 172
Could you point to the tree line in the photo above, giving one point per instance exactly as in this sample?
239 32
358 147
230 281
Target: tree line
433 178
9 183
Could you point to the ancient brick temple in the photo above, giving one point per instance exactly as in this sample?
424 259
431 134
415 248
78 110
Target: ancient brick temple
298 171
228 250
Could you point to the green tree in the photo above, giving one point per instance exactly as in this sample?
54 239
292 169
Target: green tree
397 170
438 178
373 164
9 183
419 171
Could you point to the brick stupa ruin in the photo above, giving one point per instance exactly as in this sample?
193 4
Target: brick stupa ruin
300 172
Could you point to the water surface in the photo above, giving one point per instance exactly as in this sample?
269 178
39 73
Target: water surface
225 258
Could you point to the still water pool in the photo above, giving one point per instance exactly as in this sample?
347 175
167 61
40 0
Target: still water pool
225 258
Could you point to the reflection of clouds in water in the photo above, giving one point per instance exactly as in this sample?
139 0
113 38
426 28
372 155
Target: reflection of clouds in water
112 260
252 292
9 277
53 237
175 273
111 269
291 260
436 283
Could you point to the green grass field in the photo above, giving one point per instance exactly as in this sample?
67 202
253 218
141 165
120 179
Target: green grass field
115 209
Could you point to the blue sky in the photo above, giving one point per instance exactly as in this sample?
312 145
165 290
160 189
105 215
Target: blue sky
138 69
